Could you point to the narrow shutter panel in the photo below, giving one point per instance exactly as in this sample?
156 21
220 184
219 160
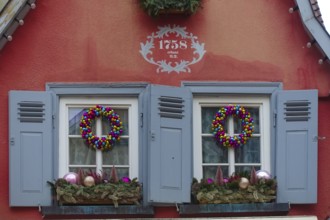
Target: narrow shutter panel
170 148
30 148
296 146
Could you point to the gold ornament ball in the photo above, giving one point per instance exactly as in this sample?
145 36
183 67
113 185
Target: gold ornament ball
89 181
243 183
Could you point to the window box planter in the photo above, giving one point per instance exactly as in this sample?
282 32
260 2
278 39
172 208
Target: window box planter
116 193
97 211
223 195
234 190
231 210
159 7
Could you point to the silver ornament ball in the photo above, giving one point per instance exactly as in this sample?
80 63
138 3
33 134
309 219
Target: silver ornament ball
263 174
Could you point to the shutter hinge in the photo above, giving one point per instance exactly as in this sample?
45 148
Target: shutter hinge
274 119
177 207
152 135
317 138
141 120
53 121
12 141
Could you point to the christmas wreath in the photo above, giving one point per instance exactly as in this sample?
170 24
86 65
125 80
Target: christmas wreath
100 143
219 122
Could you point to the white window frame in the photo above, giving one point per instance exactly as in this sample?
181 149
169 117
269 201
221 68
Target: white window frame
115 102
262 101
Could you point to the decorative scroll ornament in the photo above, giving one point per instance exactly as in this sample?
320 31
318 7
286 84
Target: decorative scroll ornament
173 47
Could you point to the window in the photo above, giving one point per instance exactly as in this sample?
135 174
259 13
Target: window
75 155
166 138
208 155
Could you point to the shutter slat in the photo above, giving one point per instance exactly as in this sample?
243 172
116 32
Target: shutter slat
173 110
171 99
170 115
296 118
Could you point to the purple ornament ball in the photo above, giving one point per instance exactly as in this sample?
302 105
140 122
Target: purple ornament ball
126 179
71 178
263 174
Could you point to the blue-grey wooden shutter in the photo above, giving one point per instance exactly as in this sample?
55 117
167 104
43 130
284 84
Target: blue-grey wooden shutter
296 146
170 145
30 148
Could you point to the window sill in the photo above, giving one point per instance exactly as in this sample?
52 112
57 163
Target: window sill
260 209
122 211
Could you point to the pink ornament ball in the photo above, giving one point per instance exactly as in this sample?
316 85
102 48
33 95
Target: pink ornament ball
263 174
71 178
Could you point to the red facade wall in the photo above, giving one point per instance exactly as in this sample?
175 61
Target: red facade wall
99 41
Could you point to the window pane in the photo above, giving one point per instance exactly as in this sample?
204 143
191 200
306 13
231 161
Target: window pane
84 169
245 169
121 172
210 171
213 153
250 152
118 155
75 115
208 114
254 112
79 153
74 120
123 114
